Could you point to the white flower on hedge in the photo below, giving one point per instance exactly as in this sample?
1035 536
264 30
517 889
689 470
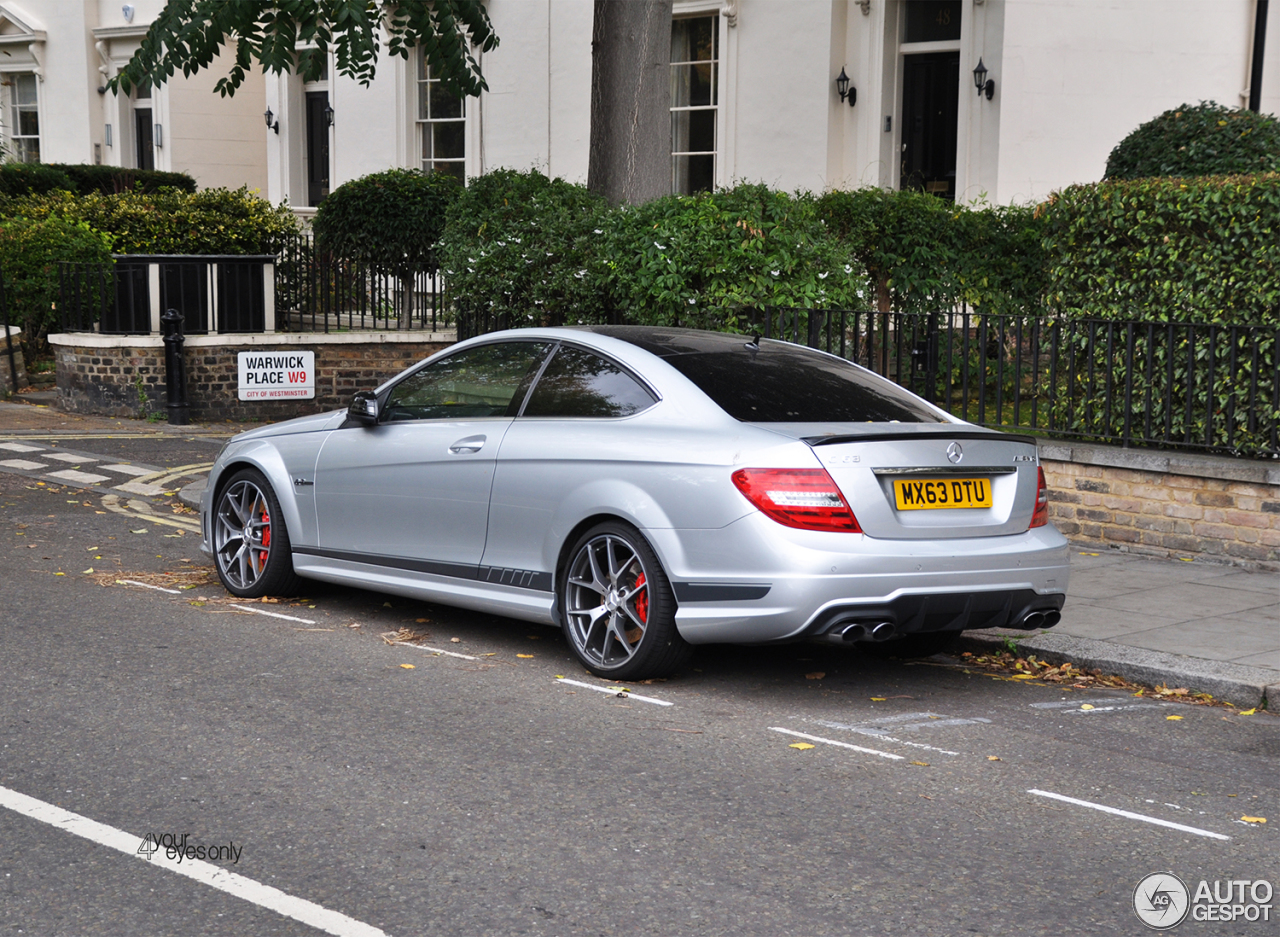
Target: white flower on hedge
848 268
823 276
599 231
775 272
660 247
580 274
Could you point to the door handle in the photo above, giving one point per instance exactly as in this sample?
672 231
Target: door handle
470 444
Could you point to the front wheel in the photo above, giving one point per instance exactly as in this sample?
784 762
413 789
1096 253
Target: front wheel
617 607
250 541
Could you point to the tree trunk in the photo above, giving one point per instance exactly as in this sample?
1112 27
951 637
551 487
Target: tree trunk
630 156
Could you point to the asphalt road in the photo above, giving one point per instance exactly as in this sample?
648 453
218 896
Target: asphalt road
479 794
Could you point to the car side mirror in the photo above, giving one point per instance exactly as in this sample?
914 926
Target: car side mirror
364 408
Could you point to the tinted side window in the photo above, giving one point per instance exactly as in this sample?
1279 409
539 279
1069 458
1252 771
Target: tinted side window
578 383
785 384
490 380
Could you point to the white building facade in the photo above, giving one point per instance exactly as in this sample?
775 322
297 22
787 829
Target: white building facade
754 95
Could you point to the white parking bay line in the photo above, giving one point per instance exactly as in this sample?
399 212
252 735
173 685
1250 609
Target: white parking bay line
437 650
138 488
259 611
615 690
264 896
147 585
1127 815
19 447
818 738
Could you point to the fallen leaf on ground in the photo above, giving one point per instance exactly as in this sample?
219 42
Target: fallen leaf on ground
1254 819
407 666
1247 712
525 656
992 758
421 620
922 764
816 675
89 570
878 699
142 531
455 640
800 745
1174 718
1086 706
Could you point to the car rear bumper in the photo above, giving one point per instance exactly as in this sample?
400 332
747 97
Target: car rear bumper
816 581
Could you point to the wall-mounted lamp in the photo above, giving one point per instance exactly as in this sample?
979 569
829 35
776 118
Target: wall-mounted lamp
842 87
328 114
982 82
107 135
273 122
158 139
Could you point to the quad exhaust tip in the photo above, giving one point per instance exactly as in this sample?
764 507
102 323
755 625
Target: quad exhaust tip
1039 619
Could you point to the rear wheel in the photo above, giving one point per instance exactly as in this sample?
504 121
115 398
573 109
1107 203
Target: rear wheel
912 645
617 606
250 541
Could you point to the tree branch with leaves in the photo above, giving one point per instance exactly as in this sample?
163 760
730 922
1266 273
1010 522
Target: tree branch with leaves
298 35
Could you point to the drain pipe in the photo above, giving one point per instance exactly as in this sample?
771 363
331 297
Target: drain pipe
1259 46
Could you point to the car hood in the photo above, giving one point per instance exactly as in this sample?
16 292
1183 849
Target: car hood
302 424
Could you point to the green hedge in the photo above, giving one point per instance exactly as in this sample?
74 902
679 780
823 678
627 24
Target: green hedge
921 252
390 219
1194 250
112 180
32 178
30 251
520 245
698 260
214 221
1205 139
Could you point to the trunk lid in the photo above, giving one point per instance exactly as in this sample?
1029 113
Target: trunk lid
903 481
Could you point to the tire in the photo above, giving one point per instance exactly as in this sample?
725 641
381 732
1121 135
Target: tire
617 608
250 541
912 645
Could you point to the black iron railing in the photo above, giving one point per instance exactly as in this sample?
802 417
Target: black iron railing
1128 383
214 293
317 291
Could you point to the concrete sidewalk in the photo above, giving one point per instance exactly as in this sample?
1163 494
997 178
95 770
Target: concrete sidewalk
1196 624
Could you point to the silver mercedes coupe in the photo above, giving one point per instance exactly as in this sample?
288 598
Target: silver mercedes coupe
647 490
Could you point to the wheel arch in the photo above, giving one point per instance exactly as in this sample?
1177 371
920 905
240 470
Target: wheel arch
268 462
566 547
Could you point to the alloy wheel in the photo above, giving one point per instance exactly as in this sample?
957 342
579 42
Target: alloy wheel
242 533
607 601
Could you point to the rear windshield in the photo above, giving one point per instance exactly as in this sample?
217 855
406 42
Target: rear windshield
787 384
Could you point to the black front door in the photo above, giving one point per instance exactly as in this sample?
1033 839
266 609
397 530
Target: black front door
930 111
144 138
317 147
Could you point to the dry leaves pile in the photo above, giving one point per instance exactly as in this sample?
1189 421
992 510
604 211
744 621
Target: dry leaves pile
183 579
1068 675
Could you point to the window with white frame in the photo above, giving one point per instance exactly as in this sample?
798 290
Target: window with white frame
441 125
695 80
23 128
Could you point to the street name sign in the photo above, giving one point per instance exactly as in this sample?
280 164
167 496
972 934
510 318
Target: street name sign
276 375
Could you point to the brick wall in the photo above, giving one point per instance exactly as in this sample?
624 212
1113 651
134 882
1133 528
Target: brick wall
129 380
1149 502
6 379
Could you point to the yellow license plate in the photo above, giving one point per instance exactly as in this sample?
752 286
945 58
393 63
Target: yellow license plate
934 493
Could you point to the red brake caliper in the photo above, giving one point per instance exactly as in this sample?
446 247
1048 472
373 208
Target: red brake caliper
266 532
642 600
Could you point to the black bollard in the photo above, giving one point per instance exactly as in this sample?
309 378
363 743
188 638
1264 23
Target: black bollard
175 368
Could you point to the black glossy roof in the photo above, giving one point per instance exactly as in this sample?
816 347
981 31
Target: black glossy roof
667 342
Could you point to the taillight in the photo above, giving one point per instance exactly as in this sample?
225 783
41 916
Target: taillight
803 498
1041 516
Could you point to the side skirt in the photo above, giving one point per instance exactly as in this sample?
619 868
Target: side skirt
492 597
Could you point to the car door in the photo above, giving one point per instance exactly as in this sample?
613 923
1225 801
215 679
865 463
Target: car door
572 432
412 491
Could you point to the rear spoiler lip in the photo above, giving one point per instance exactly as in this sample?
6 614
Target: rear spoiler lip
990 436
